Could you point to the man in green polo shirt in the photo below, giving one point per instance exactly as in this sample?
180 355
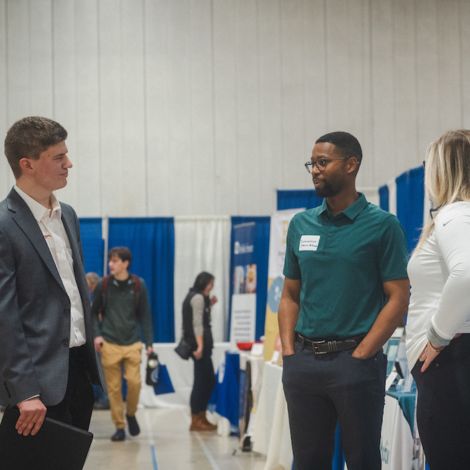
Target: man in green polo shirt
345 292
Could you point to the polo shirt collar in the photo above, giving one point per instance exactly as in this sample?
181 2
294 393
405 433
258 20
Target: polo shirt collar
350 212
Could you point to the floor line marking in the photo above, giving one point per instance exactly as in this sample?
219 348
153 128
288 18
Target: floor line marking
207 452
151 441
154 457
204 448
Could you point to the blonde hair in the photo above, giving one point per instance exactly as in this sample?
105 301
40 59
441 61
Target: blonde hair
447 173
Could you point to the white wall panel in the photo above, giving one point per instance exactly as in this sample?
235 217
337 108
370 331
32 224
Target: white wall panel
427 75
40 52
5 178
114 189
64 96
247 106
404 78
315 79
180 155
464 13
208 106
338 70
87 94
202 116
157 82
18 60
384 146
294 149
270 148
449 73
133 140
225 115
364 105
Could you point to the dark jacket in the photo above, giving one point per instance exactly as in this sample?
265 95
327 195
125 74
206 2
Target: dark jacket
188 331
126 319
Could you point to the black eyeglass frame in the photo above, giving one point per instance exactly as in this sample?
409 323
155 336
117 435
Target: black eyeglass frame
321 166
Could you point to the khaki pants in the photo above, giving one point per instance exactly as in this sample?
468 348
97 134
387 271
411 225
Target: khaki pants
113 358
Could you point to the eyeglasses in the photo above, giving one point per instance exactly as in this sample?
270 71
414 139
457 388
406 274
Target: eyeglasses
321 163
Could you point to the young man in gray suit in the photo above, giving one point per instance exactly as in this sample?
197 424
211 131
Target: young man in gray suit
47 360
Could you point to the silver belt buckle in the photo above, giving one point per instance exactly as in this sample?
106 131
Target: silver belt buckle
316 345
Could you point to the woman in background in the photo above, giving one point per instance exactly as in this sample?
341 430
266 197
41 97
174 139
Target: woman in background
438 327
197 332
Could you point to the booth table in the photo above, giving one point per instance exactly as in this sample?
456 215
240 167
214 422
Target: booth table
271 435
230 397
225 399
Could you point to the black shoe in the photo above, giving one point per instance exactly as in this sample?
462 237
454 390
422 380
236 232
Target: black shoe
134 428
119 435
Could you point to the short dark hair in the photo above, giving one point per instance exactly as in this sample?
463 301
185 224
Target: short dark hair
122 252
30 136
345 142
202 280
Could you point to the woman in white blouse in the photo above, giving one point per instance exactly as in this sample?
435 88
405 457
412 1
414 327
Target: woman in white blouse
438 327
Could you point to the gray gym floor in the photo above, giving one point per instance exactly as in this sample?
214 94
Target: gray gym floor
165 444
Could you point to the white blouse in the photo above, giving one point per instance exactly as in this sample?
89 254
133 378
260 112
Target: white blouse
439 273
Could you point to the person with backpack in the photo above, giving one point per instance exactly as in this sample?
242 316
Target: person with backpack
122 318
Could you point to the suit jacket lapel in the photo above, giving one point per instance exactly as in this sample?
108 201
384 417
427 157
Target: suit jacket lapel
30 227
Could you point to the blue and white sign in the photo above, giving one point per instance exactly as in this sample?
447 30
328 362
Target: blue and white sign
244 279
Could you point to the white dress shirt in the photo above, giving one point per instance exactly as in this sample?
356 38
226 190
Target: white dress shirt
439 273
52 227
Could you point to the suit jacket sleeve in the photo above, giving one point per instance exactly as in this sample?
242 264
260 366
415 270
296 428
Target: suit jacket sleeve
16 366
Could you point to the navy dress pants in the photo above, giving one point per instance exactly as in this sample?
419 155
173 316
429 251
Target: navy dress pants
325 389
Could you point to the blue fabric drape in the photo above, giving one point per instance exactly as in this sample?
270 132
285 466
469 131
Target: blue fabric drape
93 244
152 243
297 198
410 204
261 255
384 198
226 395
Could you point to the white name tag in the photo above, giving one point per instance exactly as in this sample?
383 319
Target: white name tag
309 242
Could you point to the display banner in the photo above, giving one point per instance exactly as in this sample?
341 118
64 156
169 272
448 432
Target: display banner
277 251
244 280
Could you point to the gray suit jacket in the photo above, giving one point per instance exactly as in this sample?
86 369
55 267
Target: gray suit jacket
35 308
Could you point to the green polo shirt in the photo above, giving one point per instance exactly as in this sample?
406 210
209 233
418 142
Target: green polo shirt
342 262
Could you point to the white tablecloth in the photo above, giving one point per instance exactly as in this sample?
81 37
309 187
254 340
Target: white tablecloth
271 435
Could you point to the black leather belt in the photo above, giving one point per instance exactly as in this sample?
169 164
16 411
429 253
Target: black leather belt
324 346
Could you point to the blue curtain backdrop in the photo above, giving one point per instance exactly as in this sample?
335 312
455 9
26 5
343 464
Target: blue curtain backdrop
261 255
384 195
410 204
93 244
296 198
152 243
